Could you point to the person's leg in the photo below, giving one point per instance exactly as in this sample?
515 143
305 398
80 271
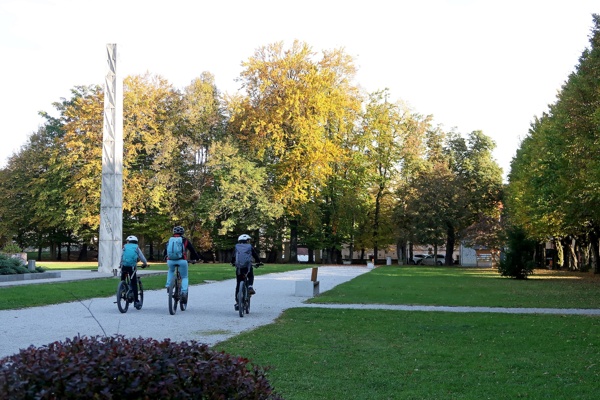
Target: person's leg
237 286
134 286
251 277
183 270
170 273
251 282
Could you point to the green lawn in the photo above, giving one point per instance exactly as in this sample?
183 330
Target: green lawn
455 286
373 354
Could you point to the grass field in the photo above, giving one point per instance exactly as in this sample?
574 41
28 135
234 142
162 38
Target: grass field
376 354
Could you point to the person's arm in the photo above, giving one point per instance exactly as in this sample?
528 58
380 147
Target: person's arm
255 255
141 256
193 253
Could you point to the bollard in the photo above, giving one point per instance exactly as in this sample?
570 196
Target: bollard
31 265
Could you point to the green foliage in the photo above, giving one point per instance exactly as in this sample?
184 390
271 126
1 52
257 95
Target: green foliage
12 265
300 147
552 191
518 262
136 368
242 200
11 248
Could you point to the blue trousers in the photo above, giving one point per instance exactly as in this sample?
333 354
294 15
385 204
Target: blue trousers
183 270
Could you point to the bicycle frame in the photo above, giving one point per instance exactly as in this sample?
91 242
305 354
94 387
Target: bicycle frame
243 295
175 293
125 294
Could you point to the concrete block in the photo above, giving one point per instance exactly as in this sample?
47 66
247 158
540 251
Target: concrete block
307 288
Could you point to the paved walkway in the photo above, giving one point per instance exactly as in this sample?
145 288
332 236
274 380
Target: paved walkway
210 317
458 309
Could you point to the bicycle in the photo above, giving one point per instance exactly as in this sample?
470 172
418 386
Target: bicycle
175 293
243 296
125 292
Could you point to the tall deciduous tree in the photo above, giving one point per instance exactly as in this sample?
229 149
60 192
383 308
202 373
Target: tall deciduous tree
295 108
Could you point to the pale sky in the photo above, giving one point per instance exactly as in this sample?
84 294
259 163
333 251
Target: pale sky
474 65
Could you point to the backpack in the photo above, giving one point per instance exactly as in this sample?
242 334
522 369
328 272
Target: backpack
175 248
243 255
130 255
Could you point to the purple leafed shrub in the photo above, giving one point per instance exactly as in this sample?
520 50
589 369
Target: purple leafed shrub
120 368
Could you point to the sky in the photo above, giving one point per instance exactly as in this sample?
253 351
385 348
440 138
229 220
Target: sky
473 65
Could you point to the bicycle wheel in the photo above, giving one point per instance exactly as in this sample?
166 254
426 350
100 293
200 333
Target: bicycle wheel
140 294
173 288
248 304
240 298
122 302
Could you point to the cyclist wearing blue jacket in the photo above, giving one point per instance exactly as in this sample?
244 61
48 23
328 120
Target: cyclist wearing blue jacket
178 232
129 259
242 260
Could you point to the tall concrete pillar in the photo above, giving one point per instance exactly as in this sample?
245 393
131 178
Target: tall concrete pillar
111 197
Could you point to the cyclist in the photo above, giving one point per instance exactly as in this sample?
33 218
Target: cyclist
129 259
175 253
242 260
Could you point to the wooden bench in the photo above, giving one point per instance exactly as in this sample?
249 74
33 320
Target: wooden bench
309 288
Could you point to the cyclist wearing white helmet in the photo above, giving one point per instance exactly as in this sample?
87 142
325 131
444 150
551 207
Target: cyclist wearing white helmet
129 259
176 253
242 260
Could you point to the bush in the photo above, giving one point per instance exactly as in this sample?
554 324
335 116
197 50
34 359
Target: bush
518 262
10 265
120 368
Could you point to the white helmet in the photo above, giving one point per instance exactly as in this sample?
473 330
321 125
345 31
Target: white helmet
244 237
131 239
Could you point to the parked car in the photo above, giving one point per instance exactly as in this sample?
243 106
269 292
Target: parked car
416 258
431 260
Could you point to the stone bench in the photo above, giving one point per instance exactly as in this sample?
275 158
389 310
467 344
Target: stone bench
308 288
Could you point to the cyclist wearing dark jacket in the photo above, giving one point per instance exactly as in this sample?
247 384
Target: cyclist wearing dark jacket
178 232
242 260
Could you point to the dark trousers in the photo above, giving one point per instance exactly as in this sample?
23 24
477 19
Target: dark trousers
134 285
240 277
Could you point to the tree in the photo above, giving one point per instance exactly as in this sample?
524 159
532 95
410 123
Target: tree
295 109
552 191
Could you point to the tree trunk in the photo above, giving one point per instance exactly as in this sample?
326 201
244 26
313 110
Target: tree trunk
450 242
151 248
595 250
83 253
338 255
401 252
376 224
294 241
572 255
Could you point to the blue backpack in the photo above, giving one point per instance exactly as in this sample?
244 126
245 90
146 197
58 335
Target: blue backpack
130 255
175 248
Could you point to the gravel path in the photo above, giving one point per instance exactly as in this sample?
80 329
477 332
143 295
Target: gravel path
209 318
